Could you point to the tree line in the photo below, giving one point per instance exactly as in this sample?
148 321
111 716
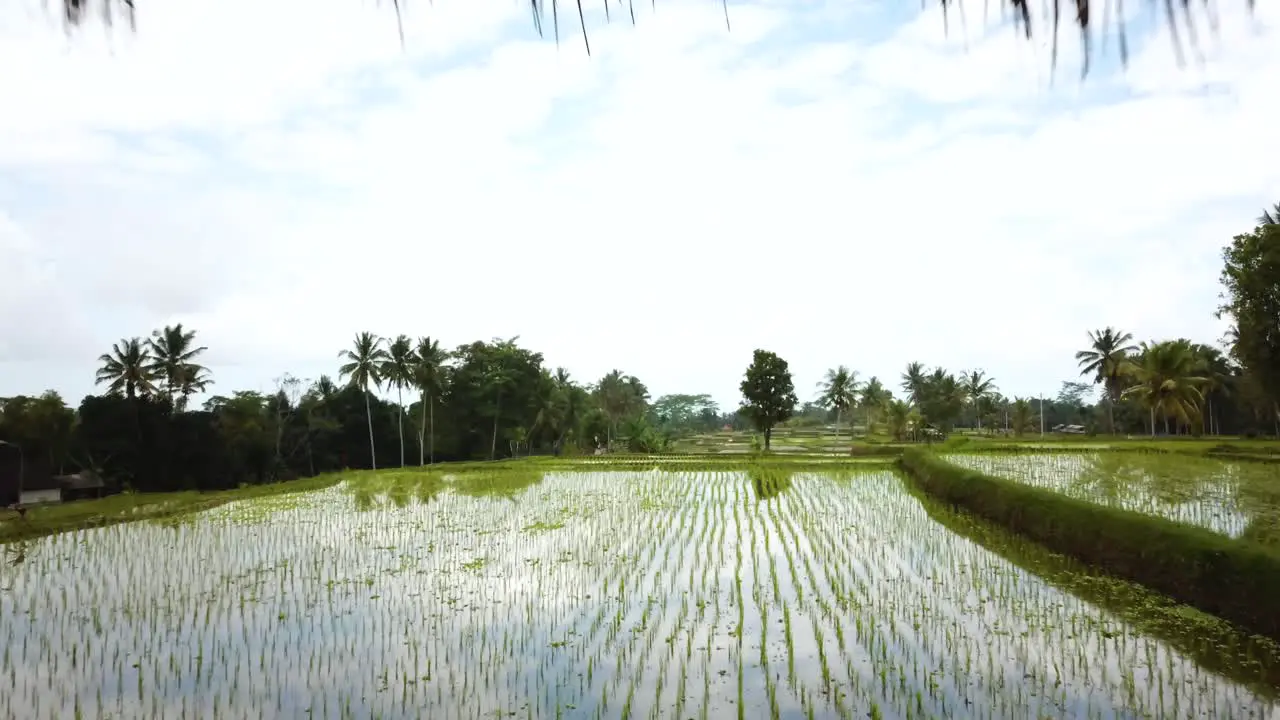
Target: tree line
486 400
482 400
1154 387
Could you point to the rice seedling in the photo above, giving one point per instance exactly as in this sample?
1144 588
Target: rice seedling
589 590
1238 499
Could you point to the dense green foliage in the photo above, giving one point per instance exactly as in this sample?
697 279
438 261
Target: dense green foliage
1251 275
482 400
768 393
1233 579
486 400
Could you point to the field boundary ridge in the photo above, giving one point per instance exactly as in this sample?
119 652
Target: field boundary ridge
1236 580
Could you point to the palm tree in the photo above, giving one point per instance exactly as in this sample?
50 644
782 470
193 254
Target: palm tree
611 396
396 368
193 379
838 390
977 386
1213 366
127 368
497 376
428 377
324 388
361 371
1020 415
873 399
1270 216
1164 378
898 418
172 356
913 382
575 399
1109 350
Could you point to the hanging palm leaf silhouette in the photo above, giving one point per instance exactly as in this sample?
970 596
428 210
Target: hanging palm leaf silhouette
75 11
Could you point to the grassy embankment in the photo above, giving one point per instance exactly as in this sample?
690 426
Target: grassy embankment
1233 579
41 520
1216 644
468 477
802 441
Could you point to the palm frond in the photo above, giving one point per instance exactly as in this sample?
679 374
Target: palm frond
75 11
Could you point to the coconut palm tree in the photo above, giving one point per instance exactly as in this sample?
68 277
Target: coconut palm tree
172 360
324 388
497 378
897 417
977 385
127 369
396 368
838 390
913 382
611 396
575 403
1164 378
361 370
1213 366
873 398
193 379
1020 415
428 377
1270 216
1109 350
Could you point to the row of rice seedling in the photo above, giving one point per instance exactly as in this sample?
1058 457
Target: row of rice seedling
632 594
1237 499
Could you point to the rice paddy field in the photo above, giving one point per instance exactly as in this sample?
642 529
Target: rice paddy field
585 592
1240 499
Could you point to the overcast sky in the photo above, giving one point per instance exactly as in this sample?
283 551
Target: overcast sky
839 182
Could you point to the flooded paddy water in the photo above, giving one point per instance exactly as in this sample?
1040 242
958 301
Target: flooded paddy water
599 594
1237 499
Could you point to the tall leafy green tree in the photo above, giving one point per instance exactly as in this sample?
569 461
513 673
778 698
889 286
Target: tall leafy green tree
1020 416
913 382
1164 379
977 385
363 359
1215 368
173 354
940 399
768 393
127 369
898 418
837 391
874 397
1270 216
1108 353
397 369
498 377
1251 277
428 377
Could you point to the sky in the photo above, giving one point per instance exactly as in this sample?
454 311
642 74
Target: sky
847 182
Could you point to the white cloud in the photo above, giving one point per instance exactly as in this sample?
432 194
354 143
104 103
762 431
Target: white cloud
684 195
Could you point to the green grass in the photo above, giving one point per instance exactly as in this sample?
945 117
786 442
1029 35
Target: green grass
1238 499
1236 580
1249 659
42 520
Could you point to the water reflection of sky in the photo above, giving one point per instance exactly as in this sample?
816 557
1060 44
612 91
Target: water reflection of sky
1221 496
584 595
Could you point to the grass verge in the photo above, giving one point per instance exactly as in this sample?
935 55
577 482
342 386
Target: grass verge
1214 643
1237 581
44 520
